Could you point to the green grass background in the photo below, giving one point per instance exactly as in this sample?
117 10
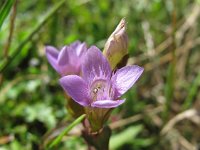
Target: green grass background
161 110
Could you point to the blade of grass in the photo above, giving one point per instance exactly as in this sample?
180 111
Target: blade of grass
170 84
66 130
169 88
5 11
126 136
12 25
193 90
34 31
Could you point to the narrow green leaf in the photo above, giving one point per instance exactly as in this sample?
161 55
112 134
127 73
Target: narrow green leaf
57 140
5 10
169 89
193 90
142 142
126 136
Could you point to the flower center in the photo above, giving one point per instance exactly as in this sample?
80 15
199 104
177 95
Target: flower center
100 90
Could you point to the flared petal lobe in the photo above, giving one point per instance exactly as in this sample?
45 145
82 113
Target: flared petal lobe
95 65
77 88
125 77
52 56
107 103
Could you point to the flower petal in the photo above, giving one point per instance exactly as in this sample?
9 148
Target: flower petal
52 55
63 57
78 48
125 77
107 103
75 44
81 49
77 52
95 65
77 88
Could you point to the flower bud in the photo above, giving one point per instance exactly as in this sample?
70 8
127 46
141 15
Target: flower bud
116 46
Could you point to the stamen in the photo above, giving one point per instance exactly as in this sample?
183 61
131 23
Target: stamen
100 90
95 90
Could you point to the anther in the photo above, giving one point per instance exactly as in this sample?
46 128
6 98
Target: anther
95 90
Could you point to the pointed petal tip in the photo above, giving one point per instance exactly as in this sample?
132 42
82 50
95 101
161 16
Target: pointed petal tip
51 50
138 69
52 55
63 57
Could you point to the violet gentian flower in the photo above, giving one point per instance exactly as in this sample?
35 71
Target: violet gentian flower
99 86
68 59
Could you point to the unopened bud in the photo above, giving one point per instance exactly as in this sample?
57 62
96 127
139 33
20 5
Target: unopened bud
117 44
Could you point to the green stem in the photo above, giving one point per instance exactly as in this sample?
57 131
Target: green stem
100 140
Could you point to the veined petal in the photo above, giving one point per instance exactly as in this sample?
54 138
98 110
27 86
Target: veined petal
107 103
78 48
125 77
52 55
81 49
95 65
77 53
63 57
77 88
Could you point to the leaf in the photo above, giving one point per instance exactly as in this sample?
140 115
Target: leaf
193 91
169 89
125 136
66 130
141 142
5 10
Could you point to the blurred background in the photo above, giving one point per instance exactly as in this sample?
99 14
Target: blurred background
161 110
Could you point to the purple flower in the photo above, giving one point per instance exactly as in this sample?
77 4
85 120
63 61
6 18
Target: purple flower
68 59
99 86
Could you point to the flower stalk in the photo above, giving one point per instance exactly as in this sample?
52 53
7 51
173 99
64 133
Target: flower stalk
99 140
